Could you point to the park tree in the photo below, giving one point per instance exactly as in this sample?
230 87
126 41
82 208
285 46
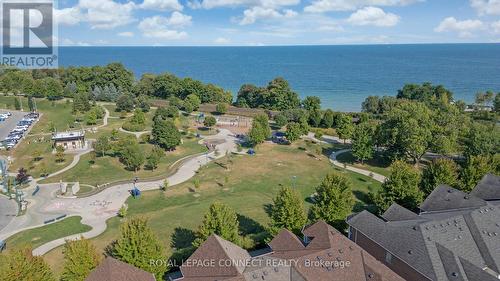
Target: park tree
250 96
401 187
363 141
17 104
209 122
293 131
91 118
194 100
311 103
125 102
315 117
220 220
132 156
221 108
345 127
31 104
60 153
260 130
475 168
482 139
80 257
154 157
496 103
279 96
334 200
433 96
263 120
371 105
288 211
53 88
20 264
439 171
165 134
327 121
137 245
280 120
142 102
102 145
81 102
450 125
484 99
22 176
407 132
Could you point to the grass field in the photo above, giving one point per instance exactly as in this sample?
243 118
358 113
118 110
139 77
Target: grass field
41 235
376 165
23 156
109 169
248 184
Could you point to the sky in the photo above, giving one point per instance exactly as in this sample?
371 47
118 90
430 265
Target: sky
275 22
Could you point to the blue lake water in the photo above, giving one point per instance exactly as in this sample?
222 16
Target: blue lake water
342 76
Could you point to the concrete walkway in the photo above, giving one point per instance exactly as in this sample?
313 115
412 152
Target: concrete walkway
97 209
75 161
136 134
375 176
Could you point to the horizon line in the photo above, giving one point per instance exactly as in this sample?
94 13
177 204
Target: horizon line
282 45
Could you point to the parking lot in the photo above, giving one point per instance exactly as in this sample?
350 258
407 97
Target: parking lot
8 125
14 125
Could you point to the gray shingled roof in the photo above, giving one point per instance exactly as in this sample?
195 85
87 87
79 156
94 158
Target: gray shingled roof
445 198
398 213
474 273
488 188
440 236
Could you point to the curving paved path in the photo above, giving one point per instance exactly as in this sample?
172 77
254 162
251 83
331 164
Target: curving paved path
333 160
96 209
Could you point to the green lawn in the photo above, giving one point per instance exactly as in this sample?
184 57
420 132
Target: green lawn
57 112
377 164
109 169
246 183
23 156
41 235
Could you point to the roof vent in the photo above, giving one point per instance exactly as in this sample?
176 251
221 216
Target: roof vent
410 252
454 274
370 275
341 251
276 269
466 197
415 227
450 191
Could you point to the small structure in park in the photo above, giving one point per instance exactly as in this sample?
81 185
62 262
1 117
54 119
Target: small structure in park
72 140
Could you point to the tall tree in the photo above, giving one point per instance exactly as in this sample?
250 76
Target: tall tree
288 211
334 200
363 141
132 156
260 130
475 168
293 131
407 132
165 134
22 265
220 220
102 145
327 121
439 171
401 187
137 245
482 139
154 157
345 127
80 257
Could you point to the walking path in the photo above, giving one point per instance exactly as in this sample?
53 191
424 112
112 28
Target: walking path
375 176
95 210
136 134
333 157
75 161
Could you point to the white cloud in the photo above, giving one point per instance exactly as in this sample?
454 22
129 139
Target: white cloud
106 14
259 13
373 16
126 34
486 7
68 16
164 27
496 26
321 6
222 41
162 5
210 4
464 28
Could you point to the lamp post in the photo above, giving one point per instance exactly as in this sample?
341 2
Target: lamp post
294 181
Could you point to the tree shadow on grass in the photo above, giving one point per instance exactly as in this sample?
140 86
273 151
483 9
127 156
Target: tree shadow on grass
182 238
268 209
249 226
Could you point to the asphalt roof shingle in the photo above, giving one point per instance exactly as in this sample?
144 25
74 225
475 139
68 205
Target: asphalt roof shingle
114 270
488 188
